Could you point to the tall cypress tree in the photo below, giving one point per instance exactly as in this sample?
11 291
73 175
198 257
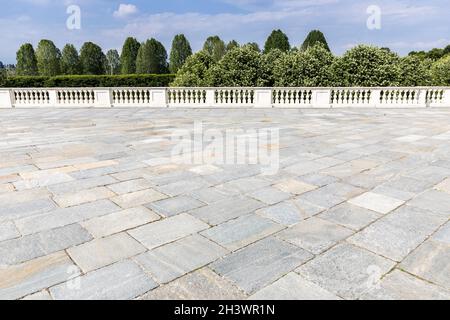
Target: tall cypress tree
152 58
181 50
128 56
70 61
93 60
48 58
314 37
215 47
232 45
26 61
277 40
112 62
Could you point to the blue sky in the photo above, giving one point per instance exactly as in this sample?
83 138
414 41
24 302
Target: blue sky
405 24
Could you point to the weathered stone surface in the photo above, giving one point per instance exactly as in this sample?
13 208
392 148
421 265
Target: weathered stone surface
202 284
331 195
38 296
350 216
8 231
443 234
4 188
397 234
173 206
161 232
238 233
314 234
105 251
16 198
259 264
399 285
63 217
138 198
269 195
42 181
444 186
79 185
294 186
80 197
293 287
175 259
182 187
119 221
346 270
376 202
286 213
29 277
24 209
130 186
436 201
120 281
210 195
430 261
40 244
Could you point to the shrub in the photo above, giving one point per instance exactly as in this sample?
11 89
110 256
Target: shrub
441 72
92 58
181 50
313 38
148 80
415 71
267 61
277 40
48 58
26 61
193 72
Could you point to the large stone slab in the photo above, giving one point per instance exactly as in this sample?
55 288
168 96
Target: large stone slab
138 198
259 264
436 201
238 233
350 216
84 196
176 205
286 213
120 281
8 231
175 259
269 195
25 209
171 229
130 186
82 184
376 202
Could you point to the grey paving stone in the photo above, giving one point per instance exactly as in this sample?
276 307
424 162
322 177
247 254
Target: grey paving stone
120 281
32 276
161 232
331 195
430 261
238 233
105 251
182 187
39 296
245 185
40 244
8 231
294 186
24 209
399 285
84 196
431 174
173 206
407 184
130 186
317 179
66 216
119 221
315 235
376 202
286 213
24 196
83 184
436 201
397 234
350 216
443 234
42 181
293 287
202 284
131 200
175 259
210 195
259 264
269 195
346 270
222 211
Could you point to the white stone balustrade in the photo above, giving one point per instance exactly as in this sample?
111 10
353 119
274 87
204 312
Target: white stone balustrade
388 97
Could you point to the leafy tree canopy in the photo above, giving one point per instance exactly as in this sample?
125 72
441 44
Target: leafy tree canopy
181 50
112 62
193 72
314 37
70 61
128 56
26 61
215 47
277 40
48 58
92 59
152 58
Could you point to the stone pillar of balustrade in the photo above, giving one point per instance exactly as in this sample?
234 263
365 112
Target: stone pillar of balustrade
6 98
210 97
375 95
103 98
263 98
158 98
321 98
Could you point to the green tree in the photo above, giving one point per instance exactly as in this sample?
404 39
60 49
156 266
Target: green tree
2 74
92 59
367 66
254 46
314 37
48 58
266 77
441 72
152 58
435 54
277 40
128 56
70 61
26 61
414 71
310 68
193 72
447 50
232 44
181 50
215 47
239 67
112 62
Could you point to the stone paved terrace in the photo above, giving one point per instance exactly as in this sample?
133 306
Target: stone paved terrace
87 211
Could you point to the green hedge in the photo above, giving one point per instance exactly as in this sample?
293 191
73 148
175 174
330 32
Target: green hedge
138 80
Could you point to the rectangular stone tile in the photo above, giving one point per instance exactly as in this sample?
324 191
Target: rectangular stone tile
202 284
226 210
317 179
350 216
399 285
331 195
436 201
286 213
42 181
430 261
350 168
238 233
121 281
294 186
17 169
119 221
444 186
84 196
130 186
161 232
269 195
314 234
8 231
244 185
293 287
95 164
393 193
40 244
205 169
397 234
183 186
15 198
9 178
407 184
443 234
63 163
138 198
345 270
79 185
305 167
63 217
376 202
173 206
175 259
431 174
29 277
39 296
210 195
25 209
102 252
259 264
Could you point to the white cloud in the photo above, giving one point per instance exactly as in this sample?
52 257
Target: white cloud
125 10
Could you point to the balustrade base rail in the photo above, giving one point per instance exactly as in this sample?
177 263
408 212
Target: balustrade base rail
388 97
